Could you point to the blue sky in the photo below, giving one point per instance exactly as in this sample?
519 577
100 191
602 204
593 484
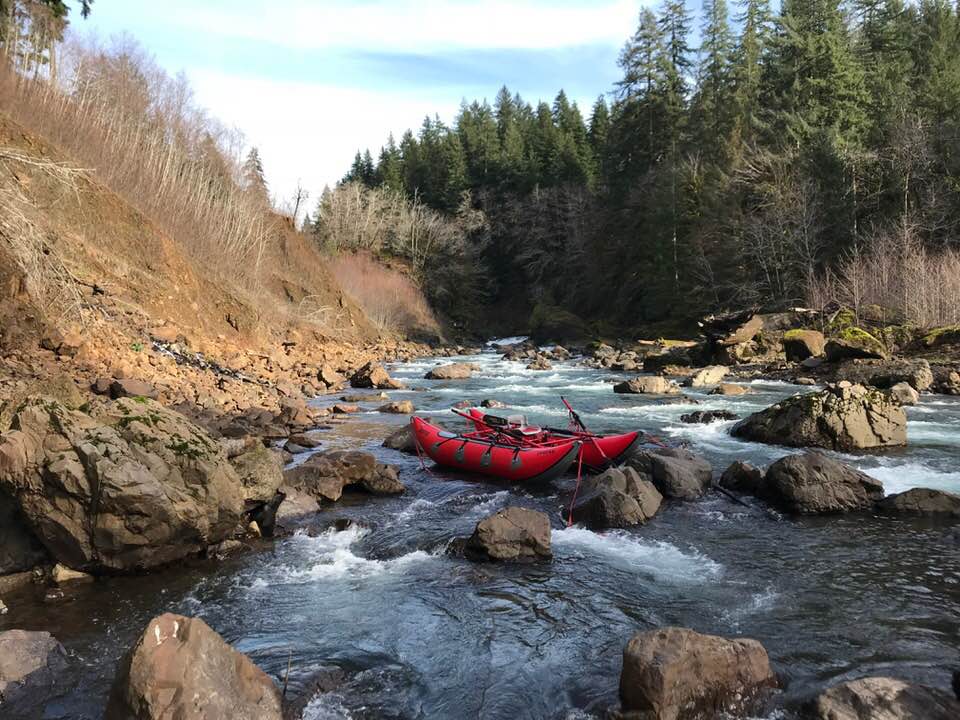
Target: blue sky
310 81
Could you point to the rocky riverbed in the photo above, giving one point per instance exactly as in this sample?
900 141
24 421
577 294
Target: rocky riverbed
370 608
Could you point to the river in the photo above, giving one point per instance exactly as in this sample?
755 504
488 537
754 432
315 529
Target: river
422 634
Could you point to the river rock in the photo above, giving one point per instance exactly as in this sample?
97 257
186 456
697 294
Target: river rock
62 575
400 407
922 501
857 344
904 394
617 498
886 373
732 328
798 345
309 440
675 472
837 418
678 674
492 404
729 389
513 533
296 505
19 548
540 362
59 387
330 377
129 387
402 439
649 385
136 487
260 470
32 668
812 483
325 475
885 698
180 668
708 376
742 477
373 375
453 371
708 416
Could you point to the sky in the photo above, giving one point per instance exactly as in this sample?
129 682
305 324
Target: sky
309 82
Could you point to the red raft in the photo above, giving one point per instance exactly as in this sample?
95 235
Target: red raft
487 454
598 451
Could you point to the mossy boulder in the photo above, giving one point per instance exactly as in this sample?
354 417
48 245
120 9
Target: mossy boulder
798 345
947 335
841 417
855 342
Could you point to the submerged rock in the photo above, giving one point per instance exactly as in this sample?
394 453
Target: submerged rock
885 698
678 674
922 501
812 483
617 498
708 416
32 668
513 533
180 668
675 472
325 475
136 487
842 417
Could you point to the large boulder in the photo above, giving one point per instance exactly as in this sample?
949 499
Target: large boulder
730 389
798 345
742 477
678 674
260 470
904 394
812 483
708 376
841 417
513 533
884 698
32 667
651 385
325 475
135 487
180 668
19 548
731 328
676 473
373 375
453 371
617 498
922 501
854 343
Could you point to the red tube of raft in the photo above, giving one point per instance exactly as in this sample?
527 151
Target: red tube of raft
485 455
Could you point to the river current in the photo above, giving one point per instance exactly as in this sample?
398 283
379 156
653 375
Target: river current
419 633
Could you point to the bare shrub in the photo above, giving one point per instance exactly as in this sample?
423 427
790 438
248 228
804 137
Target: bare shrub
391 299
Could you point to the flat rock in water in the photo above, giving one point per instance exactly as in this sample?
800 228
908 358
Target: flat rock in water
453 371
729 389
652 385
922 501
885 698
180 668
678 674
812 483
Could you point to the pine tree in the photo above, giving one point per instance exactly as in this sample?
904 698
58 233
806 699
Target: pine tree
749 58
254 181
714 103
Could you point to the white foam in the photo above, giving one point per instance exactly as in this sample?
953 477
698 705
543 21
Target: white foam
904 476
326 706
512 340
413 509
666 562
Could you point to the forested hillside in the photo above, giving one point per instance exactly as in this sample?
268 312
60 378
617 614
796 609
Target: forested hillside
809 156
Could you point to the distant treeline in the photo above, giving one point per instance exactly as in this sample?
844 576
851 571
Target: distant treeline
746 171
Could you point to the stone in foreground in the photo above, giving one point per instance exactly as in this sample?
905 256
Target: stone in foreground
884 698
842 417
812 484
513 533
617 498
180 668
32 666
678 674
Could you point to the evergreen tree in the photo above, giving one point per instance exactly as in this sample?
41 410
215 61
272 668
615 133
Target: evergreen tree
749 59
254 181
714 104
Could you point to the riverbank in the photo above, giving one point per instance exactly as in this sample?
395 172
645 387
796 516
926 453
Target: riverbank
420 631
